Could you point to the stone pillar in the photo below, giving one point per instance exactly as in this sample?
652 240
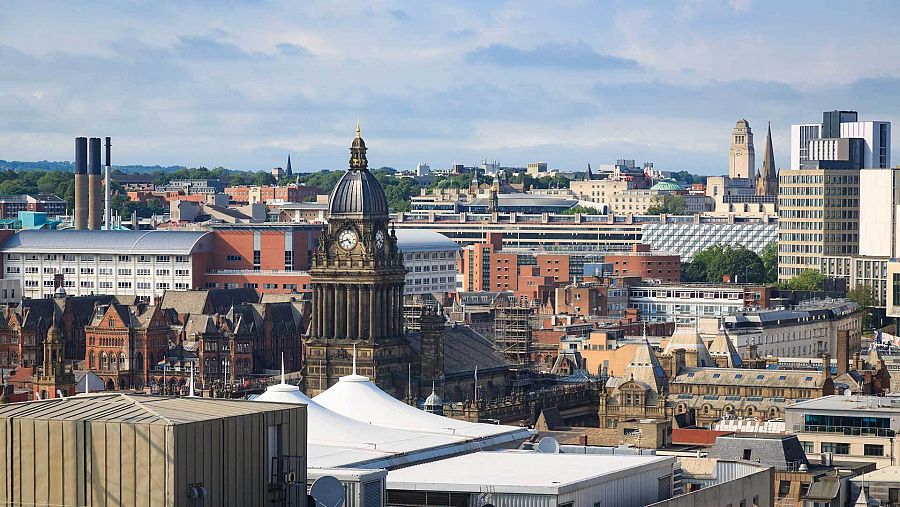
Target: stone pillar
361 330
329 306
371 310
352 312
340 312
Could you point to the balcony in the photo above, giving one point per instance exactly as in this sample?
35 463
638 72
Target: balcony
850 431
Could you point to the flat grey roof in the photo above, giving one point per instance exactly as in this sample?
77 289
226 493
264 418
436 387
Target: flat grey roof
112 242
853 403
526 472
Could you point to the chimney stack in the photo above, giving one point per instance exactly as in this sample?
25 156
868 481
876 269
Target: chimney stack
843 351
81 183
95 199
107 199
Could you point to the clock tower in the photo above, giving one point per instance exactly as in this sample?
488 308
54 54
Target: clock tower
742 159
357 277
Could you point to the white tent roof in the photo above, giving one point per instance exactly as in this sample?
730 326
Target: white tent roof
337 440
357 397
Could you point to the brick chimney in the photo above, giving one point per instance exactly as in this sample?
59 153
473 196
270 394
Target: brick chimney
843 351
826 365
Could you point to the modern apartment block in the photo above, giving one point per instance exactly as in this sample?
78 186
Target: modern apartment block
855 428
818 215
841 142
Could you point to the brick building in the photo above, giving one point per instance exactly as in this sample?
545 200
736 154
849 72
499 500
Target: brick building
647 265
124 342
246 194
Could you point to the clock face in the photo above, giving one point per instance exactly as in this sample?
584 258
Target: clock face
379 240
347 239
739 153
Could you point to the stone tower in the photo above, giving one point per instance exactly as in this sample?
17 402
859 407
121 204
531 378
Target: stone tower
432 353
357 280
742 158
767 180
55 378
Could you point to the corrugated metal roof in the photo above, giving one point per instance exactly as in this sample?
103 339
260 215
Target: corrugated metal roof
135 409
111 242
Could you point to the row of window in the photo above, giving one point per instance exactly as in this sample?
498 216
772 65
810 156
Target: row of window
100 258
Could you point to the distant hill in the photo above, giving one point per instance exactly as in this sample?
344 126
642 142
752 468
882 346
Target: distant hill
45 165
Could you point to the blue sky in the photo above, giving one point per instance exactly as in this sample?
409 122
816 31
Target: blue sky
243 83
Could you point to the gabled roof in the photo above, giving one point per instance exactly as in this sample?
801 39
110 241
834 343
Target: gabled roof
722 346
689 339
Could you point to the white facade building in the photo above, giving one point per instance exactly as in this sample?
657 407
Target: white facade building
688 238
133 263
685 304
879 197
430 260
807 144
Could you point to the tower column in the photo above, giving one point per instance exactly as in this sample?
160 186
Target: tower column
352 312
372 310
315 308
340 312
329 306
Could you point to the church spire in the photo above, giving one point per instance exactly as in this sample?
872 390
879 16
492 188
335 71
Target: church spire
588 175
765 182
288 171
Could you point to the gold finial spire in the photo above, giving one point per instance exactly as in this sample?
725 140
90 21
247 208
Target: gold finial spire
358 133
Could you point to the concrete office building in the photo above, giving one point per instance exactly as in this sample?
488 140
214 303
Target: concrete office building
430 260
841 142
118 449
818 215
685 303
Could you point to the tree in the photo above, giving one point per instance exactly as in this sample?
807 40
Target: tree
668 204
770 261
808 279
584 210
864 296
714 263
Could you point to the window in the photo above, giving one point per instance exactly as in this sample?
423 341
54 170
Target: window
124 258
784 488
162 285
143 258
233 257
162 272
808 447
105 271
143 285
125 271
143 271
162 258
181 286
181 258
836 447
181 272
873 450
124 285
87 271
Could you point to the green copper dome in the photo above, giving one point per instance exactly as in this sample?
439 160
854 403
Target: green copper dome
667 185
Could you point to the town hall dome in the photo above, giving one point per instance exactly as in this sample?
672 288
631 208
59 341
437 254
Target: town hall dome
358 192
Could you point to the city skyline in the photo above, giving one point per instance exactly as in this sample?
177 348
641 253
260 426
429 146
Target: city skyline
246 85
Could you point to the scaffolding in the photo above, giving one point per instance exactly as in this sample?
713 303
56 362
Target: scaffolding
512 331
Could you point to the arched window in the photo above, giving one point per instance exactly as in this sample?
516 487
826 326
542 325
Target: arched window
93 361
139 361
104 363
750 411
122 365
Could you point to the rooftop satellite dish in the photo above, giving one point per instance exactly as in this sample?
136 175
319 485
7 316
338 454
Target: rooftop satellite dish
848 393
327 491
548 445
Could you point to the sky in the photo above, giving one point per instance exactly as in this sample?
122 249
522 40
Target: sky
242 84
